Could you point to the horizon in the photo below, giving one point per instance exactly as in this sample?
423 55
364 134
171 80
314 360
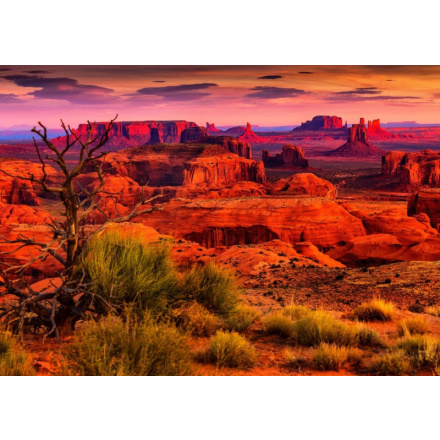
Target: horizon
224 95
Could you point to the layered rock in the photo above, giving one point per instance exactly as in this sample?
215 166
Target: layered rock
426 202
213 223
193 134
134 133
357 144
413 169
304 184
222 169
229 143
14 190
290 155
321 123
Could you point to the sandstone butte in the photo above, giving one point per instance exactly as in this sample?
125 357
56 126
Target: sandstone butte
228 222
375 131
249 135
304 184
413 169
290 155
321 123
357 144
134 133
211 128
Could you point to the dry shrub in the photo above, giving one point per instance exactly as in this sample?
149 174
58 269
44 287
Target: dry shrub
395 363
196 319
375 310
279 324
242 317
413 326
14 361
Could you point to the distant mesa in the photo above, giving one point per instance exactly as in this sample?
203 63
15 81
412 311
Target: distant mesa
321 123
236 131
413 169
290 155
357 144
193 134
134 133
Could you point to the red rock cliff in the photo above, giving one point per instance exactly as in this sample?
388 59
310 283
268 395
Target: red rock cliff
290 155
322 123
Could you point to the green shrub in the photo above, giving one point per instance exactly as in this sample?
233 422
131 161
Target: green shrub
14 361
330 356
295 311
213 287
423 350
321 327
124 270
413 326
368 337
390 364
279 324
135 347
375 310
194 318
241 318
230 350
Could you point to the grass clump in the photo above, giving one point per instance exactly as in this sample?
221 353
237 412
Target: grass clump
124 270
395 363
230 350
423 350
213 287
134 347
241 318
375 310
368 337
320 327
334 357
295 312
14 361
294 360
279 324
196 319
413 326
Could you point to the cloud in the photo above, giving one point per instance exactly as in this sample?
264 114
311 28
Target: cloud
270 77
9 98
263 92
361 91
305 73
38 72
182 92
4 69
67 89
159 81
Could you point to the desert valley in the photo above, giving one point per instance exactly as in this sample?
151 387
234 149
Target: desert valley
318 222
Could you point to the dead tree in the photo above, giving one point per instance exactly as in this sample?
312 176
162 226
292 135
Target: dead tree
64 304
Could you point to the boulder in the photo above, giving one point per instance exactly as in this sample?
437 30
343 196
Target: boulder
304 184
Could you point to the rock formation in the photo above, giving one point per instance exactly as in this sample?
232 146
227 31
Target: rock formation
375 131
229 143
357 144
222 169
290 155
193 134
213 223
321 123
133 133
212 129
413 169
235 131
426 202
249 135
304 184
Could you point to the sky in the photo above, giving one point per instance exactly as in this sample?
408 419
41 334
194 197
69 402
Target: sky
224 95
